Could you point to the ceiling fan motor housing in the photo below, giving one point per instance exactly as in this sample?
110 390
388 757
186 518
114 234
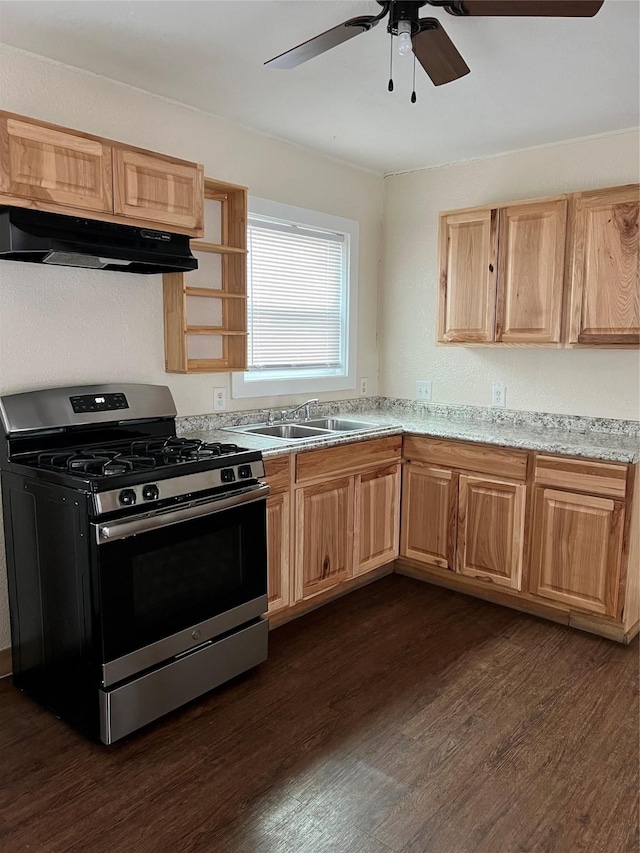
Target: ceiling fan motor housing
404 10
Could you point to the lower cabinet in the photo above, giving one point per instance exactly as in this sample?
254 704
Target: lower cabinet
429 514
577 549
332 515
470 524
491 530
324 536
278 524
556 536
377 518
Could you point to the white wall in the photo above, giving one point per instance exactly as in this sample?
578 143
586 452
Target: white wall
63 326
602 383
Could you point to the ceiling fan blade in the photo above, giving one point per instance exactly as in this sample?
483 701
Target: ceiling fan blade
323 42
437 54
532 8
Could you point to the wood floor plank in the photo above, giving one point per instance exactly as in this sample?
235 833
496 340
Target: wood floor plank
403 717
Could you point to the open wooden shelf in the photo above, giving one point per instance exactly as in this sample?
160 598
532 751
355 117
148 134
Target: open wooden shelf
193 346
217 248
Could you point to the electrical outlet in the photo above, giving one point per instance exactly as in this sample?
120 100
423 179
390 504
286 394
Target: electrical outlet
219 399
498 395
423 390
364 384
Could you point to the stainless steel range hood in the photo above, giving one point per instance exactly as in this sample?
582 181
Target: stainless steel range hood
51 238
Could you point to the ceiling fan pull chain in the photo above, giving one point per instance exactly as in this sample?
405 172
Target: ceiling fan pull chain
390 87
413 94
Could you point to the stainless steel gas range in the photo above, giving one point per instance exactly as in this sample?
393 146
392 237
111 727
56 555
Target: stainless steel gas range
136 559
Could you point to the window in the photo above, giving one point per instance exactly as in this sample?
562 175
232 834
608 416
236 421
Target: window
302 287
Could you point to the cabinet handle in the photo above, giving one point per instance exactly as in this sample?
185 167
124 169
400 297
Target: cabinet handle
490 267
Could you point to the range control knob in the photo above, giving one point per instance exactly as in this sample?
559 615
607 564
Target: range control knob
127 497
150 492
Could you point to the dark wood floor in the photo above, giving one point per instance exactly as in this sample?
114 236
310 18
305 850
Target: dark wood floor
400 718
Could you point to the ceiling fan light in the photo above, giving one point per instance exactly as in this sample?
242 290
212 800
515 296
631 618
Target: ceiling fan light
404 38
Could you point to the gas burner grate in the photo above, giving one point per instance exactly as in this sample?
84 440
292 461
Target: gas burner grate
183 449
98 461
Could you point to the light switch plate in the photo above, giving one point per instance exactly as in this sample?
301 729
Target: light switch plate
423 390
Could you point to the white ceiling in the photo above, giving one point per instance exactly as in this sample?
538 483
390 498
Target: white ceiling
533 81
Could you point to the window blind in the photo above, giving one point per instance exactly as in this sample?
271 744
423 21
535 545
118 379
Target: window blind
297 297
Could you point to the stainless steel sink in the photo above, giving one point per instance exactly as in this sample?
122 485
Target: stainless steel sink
339 424
297 431
288 431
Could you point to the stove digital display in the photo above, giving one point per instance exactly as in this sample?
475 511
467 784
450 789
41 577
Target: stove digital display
104 403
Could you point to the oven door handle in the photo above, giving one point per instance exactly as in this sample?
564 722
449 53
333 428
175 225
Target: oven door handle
114 530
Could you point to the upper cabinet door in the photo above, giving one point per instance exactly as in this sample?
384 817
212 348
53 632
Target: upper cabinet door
531 272
468 274
51 166
605 298
157 189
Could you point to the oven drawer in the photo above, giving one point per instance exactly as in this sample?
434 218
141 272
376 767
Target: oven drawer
127 708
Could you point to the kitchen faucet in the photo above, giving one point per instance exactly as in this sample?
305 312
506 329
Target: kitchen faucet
288 414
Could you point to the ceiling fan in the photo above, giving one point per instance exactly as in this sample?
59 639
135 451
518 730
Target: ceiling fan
431 45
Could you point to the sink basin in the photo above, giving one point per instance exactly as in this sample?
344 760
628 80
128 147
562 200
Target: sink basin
339 424
288 431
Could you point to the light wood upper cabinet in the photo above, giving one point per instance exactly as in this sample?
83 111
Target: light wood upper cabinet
468 274
56 169
54 166
429 513
324 535
605 287
577 547
531 272
491 515
377 518
158 189
561 271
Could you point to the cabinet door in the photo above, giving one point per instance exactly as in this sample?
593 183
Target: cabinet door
605 291
159 190
377 519
491 530
577 545
429 512
53 166
324 535
278 524
531 272
468 274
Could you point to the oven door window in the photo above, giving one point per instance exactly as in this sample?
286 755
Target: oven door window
160 582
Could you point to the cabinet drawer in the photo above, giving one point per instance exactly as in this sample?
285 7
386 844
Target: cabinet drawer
347 458
599 478
478 458
278 473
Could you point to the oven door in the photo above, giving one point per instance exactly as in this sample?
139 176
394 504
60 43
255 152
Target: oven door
173 580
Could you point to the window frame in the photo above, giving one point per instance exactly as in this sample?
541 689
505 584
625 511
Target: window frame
303 381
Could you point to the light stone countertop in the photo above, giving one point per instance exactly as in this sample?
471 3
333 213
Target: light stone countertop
593 444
